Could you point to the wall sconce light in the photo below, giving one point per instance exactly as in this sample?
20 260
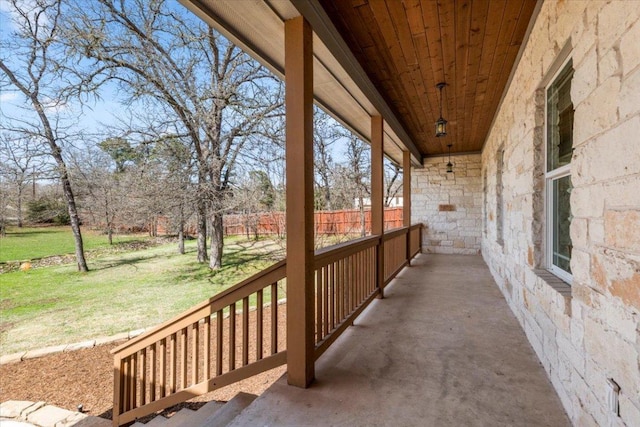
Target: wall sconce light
441 123
449 165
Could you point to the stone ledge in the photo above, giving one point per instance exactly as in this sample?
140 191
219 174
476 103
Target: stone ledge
47 351
558 285
39 414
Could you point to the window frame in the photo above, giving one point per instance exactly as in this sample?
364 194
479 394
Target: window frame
549 178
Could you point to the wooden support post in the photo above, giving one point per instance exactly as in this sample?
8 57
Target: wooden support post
299 176
406 199
377 198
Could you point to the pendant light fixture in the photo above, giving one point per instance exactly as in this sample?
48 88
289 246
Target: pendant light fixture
449 165
441 123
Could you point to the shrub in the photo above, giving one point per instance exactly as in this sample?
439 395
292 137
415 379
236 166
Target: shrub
48 210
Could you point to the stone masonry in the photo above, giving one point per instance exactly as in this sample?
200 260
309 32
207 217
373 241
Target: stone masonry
448 204
588 333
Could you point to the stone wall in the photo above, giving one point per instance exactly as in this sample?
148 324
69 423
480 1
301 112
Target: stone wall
588 333
448 204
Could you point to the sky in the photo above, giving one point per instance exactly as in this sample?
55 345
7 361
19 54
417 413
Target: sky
95 117
91 117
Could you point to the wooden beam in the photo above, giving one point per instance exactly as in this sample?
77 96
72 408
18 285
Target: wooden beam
406 200
377 198
406 189
299 176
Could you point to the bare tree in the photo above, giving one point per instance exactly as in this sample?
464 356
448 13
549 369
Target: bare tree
102 188
326 132
392 181
202 84
20 163
28 60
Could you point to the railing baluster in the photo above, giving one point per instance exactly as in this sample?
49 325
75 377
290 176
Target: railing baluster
359 277
318 286
206 340
259 324
325 305
133 378
152 368
143 377
340 284
195 347
172 364
232 336
245 331
163 367
183 358
332 300
126 385
219 341
349 294
274 318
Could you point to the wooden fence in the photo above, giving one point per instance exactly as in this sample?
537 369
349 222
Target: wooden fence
326 222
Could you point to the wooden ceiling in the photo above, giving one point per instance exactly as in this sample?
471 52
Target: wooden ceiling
408 46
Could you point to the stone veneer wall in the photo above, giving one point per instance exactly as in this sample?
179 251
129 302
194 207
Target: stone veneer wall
588 333
457 231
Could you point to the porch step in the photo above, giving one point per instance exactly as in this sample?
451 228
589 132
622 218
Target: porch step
158 421
180 417
213 414
198 417
230 410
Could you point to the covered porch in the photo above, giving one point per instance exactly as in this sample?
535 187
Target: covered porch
442 348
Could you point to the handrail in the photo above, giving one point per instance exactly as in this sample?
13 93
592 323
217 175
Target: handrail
390 234
206 347
345 284
330 254
235 293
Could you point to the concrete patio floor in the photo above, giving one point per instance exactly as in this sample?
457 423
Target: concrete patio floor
442 349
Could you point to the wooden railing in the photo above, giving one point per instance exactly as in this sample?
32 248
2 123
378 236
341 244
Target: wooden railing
395 252
345 284
240 332
216 343
415 240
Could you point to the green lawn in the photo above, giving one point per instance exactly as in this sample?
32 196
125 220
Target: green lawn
28 243
125 291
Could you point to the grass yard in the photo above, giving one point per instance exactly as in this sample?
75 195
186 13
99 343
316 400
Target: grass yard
125 291
28 243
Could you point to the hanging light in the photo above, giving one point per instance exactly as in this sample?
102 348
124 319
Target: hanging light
449 165
441 123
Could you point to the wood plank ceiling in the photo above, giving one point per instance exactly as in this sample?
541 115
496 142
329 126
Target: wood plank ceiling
408 46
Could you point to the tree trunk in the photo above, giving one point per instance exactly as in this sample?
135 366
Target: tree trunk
75 221
181 242
107 219
202 231
215 261
181 234
363 222
20 206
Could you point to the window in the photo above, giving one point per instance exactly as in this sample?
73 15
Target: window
559 147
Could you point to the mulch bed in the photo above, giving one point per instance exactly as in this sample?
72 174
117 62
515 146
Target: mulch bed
85 377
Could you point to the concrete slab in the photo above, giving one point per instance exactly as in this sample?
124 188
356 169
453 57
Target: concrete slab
12 423
41 352
49 416
12 358
442 348
14 408
81 345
